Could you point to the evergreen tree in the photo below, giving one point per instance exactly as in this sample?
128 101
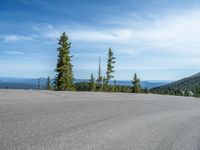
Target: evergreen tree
136 84
100 79
92 83
145 90
187 93
64 78
110 66
48 84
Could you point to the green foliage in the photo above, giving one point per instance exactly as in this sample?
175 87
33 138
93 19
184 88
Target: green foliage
82 86
110 66
123 88
145 90
104 85
185 87
114 86
48 84
197 92
86 86
64 78
136 84
92 83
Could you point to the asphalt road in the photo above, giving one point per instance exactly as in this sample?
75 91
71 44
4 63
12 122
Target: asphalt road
44 120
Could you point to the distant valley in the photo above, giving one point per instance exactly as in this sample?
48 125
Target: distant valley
25 83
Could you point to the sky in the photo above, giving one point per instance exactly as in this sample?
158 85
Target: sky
157 39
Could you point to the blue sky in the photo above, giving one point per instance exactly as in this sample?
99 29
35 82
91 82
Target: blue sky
158 39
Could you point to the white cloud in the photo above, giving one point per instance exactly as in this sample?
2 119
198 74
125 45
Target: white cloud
162 42
33 1
14 52
179 32
15 38
173 33
101 36
79 33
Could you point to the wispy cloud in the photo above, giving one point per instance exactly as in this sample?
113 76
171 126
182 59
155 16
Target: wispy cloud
85 34
14 52
33 1
156 40
159 38
167 41
15 38
174 32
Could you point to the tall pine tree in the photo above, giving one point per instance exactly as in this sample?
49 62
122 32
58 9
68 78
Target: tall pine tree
136 84
64 78
110 66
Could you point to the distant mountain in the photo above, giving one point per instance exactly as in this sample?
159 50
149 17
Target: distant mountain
191 83
145 84
23 83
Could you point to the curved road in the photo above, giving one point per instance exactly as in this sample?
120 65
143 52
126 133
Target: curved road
45 120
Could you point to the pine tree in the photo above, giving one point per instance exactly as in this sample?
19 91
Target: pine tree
92 83
110 66
48 84
99 80
64 78
136 84
145 90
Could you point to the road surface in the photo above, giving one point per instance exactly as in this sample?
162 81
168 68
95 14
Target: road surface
45 120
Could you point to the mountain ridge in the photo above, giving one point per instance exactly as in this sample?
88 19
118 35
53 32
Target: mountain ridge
187 84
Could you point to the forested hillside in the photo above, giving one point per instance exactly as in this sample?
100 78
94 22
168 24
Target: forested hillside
187 86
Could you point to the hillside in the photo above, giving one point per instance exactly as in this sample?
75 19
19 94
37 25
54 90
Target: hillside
185 86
